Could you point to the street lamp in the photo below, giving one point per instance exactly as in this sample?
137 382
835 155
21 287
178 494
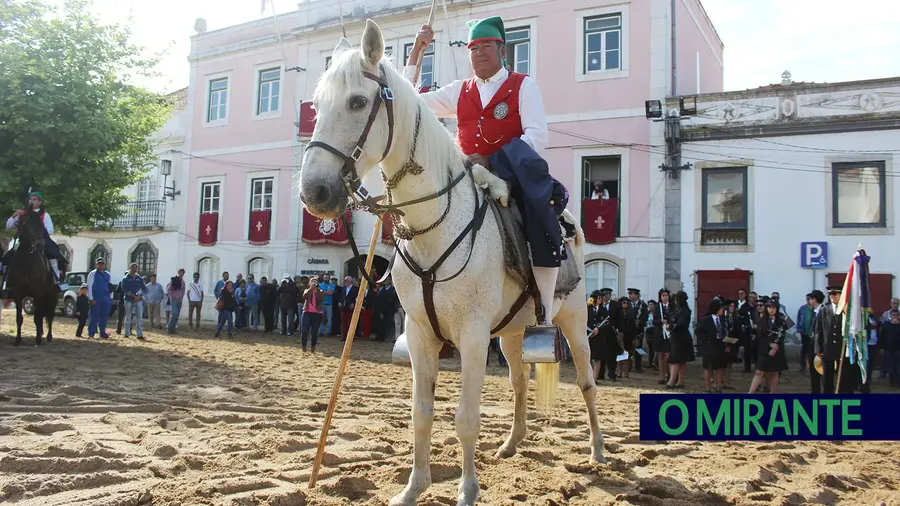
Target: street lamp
165 168
688 105
653 109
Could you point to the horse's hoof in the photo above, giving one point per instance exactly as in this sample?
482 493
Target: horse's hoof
18 342
506 452
599 460
49 339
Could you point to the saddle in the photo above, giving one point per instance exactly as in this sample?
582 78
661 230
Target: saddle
516 258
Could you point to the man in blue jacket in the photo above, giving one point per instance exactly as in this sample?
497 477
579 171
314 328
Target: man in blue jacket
133 289
253 298
100 299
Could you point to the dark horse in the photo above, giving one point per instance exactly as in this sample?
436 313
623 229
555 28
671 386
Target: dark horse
29 275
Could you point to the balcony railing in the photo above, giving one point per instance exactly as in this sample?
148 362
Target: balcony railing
723 237
140 215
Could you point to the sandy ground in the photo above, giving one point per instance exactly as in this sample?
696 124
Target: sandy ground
190 419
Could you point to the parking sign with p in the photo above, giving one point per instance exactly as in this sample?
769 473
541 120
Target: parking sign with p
814 255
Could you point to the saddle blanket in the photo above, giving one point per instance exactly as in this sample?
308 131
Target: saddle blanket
515 250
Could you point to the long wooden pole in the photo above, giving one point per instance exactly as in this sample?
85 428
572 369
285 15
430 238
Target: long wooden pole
837 384
422 52
345 356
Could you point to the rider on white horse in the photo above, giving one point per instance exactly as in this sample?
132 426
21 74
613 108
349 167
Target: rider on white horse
495 108
51 249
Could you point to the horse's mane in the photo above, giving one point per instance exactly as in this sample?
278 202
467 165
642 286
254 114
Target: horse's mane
435 151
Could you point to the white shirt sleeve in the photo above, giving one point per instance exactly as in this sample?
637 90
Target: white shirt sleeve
48 223
11 222
534 120
90 284
441 101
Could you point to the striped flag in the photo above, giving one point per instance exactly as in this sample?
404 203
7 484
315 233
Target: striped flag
855 306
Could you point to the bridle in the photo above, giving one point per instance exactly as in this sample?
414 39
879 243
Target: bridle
349 175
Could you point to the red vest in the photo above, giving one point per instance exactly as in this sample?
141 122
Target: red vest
479 130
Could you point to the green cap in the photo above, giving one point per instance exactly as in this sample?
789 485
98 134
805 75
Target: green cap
486 29
37 194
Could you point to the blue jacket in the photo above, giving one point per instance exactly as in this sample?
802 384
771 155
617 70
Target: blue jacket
133 285
540 197
98 285
252 293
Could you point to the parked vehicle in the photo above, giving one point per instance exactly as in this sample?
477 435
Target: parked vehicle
66 304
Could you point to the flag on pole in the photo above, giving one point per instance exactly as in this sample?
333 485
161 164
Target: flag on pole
262 6
855 306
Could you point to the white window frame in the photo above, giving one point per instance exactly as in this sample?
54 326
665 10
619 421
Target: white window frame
267 270
601 263
581 75
434 61
261 183
257 86
217 199
206 100
888 211
624 155
148 184
531 25
248 203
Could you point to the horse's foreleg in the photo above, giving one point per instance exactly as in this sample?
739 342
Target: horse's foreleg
518 377
423 353
473 352
573 328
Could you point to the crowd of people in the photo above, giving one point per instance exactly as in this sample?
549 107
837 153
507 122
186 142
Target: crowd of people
311 306
749 329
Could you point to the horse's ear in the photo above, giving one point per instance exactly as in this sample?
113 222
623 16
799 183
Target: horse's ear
372 43
342 45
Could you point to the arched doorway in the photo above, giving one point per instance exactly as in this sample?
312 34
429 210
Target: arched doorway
379 265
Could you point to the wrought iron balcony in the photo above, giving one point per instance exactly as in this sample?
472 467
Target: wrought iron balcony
140 215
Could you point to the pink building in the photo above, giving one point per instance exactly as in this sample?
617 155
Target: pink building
595 61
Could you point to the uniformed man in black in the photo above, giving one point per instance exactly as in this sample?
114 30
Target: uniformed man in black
637 320
611 333
828 339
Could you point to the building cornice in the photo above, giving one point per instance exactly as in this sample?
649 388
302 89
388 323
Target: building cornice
834 125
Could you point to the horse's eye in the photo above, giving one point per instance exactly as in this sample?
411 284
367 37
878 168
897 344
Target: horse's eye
357 102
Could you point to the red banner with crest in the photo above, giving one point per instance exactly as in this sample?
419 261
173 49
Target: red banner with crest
209 229
260 227
318 231
600 218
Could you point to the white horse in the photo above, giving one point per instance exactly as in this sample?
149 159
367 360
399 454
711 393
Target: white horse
360 125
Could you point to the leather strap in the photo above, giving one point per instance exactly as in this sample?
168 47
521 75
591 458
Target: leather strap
513 311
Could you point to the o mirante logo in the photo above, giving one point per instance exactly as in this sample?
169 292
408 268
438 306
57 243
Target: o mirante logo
768 417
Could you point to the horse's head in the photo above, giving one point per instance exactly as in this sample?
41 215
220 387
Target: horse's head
354 124
31 234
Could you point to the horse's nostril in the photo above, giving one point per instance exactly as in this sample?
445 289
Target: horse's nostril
322 194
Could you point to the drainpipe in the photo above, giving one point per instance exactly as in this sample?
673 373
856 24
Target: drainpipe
672 90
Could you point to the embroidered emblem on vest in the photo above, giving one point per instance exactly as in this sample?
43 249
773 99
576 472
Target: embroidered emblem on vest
501 110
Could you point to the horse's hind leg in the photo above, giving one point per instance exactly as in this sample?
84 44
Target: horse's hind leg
38 326
20 319
473 354
423 353
573 326
518 377
50 327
